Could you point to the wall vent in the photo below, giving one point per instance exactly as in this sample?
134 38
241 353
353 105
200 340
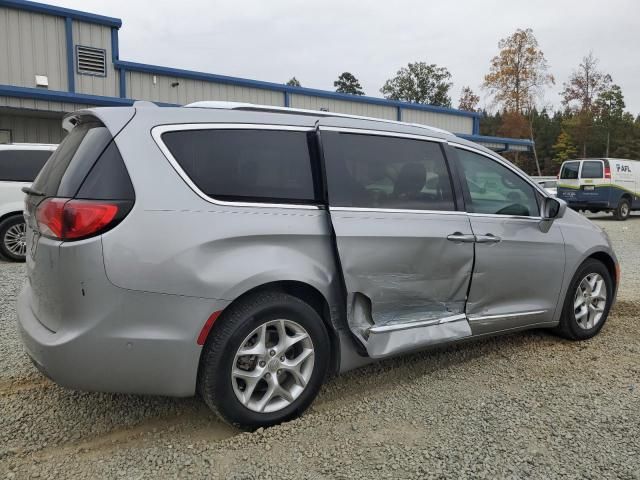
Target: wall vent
91 61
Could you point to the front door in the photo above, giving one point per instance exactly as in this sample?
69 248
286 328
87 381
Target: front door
406 252
519 266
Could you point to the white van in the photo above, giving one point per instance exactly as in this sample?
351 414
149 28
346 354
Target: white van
601 185
19 165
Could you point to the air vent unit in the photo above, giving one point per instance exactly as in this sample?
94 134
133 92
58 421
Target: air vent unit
91 61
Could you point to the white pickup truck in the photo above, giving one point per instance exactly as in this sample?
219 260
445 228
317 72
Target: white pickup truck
19 165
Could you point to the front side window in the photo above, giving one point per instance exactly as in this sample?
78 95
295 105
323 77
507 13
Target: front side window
495 189
570 170
248 165
374 171
592 169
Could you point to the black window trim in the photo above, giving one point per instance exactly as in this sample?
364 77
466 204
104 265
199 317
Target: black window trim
235 201
536 188
458 203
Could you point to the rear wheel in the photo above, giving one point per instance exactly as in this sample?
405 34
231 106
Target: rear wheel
265 360
13 244
624 210
587 303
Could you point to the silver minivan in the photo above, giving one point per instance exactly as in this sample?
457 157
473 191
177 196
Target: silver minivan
249 253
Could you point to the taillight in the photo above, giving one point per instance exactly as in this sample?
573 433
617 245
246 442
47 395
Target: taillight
607 171
64 219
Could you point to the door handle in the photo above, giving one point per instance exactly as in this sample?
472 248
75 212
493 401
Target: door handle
488 238
461 237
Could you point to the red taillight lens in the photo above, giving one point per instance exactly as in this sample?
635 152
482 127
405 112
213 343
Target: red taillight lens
607 172
66 219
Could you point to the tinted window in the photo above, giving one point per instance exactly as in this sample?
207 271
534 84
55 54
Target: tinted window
570 170
68 166
592 170
22 165
494 188
108 178
252 165
385 172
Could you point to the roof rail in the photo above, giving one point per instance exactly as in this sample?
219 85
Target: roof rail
300 111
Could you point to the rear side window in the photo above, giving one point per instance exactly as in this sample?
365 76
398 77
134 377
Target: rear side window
22 165
250 165
592 169
68 166
570 170
374 171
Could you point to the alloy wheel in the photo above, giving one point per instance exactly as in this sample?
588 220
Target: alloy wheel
590 301
15 239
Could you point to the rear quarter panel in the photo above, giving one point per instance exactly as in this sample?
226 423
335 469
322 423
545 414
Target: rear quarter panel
11 197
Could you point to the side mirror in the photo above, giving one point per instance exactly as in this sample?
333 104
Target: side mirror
553 208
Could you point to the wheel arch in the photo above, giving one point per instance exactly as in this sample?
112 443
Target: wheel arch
311 296
609 263
10 214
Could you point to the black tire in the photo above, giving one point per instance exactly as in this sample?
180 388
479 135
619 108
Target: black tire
569 327
623 211
5 226
230 330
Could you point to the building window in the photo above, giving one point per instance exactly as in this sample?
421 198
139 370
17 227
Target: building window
91 61
5 136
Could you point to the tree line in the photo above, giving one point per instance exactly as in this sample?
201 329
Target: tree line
591 122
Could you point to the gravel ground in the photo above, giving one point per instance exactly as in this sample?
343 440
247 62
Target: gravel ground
528 405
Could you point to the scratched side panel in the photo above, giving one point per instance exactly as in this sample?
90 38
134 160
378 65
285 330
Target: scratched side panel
403 263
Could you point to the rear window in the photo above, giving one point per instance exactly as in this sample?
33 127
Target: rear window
570 170
250 165
22 165
592 170
68 166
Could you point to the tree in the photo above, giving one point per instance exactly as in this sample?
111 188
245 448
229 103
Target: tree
420 83
564 148
468 100
585 84
609 109
347 83
294 82
518 73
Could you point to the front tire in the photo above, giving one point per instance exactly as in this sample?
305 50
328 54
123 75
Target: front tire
13 245
624 210
587 303
264 361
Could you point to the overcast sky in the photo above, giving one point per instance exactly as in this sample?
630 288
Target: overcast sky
316 41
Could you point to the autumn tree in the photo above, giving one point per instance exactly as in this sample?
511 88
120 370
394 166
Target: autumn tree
564 149
347 83
420 82
518 73
468 100
293 82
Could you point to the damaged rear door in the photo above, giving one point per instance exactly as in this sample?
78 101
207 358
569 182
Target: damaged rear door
405 250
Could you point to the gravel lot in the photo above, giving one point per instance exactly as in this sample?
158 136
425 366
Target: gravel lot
528 405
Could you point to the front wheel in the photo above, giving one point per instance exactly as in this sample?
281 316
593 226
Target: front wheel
587 303
13 244
265 360
623 211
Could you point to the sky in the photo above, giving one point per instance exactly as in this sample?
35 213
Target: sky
316 41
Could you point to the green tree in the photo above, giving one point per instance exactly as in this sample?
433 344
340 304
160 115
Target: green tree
293 82
420 82
609 111
468 100
564 148
347 83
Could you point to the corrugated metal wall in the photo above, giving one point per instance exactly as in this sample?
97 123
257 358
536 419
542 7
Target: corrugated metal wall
31 128
97 36
43 105
32 44
140 86
343 106
452 123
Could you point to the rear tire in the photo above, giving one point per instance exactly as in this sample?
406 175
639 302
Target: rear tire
284 388
12 238
585 297
624 210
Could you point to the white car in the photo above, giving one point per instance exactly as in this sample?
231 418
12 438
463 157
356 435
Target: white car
550 186
19 165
